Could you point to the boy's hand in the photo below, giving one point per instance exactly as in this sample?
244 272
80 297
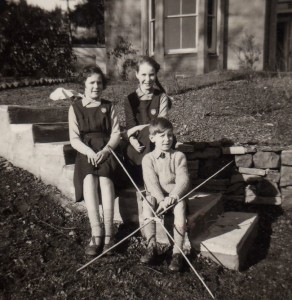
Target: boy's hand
161 207
136 145
169 201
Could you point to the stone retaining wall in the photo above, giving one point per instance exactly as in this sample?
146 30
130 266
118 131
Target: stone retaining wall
260 174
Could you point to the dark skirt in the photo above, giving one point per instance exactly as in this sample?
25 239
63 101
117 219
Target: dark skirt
108 168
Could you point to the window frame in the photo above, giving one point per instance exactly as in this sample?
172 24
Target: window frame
151 27
181 16
214 16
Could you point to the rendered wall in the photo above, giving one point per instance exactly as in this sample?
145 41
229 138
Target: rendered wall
245 17
122 18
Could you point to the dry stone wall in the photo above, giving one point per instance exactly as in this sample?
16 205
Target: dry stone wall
259 175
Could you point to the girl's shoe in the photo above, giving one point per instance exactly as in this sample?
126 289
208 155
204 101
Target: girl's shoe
176 262
108 246
94 247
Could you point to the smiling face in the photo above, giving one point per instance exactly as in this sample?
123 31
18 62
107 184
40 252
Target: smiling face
93 87
163 140
146 76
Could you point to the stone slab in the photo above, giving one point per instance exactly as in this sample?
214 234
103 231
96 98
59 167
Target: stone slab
286 157
252 171
228 240
273 175
244 160
233 150
286 176
287 197
266 160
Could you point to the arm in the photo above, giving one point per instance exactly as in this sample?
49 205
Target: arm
132 131
74 134
182 180
115 132
151 179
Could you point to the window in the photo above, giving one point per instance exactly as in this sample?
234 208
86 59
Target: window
151 27
181 18
212 25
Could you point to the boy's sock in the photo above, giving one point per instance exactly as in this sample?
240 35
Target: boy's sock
178 235
150 233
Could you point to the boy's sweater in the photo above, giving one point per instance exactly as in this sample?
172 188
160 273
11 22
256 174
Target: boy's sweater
168 175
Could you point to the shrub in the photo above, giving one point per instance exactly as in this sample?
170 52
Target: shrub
34 42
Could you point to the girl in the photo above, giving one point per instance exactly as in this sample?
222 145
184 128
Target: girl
93 130
145 104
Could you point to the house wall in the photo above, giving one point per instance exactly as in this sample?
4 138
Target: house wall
245 17
122 18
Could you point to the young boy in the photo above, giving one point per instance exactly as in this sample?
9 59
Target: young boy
166 180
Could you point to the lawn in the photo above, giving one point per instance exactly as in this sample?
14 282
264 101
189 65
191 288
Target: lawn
237 108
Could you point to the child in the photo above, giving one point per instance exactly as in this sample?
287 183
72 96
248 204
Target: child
166 180
93 129
145 104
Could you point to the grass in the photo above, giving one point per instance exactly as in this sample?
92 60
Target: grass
241 108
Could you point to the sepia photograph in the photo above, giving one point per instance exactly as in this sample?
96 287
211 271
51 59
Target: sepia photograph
146 149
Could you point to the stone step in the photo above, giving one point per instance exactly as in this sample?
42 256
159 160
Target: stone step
69 154
28 114
228 240
51 132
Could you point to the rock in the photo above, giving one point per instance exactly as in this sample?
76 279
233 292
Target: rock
286 157
244 161
287 197
233 150
273 175
286 176
252 171
265 160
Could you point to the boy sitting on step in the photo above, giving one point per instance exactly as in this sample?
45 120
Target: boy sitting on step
166 180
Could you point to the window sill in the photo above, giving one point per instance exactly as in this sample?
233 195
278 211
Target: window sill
182 51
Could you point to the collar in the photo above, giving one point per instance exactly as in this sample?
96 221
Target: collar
157 153
86 101
141 94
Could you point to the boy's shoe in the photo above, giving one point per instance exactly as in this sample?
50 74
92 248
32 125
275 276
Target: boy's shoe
93 249
108 246
149 255
176 262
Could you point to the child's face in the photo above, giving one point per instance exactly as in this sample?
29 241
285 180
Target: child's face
163 141
146 76
93 86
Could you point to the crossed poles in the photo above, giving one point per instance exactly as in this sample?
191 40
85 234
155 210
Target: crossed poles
157 218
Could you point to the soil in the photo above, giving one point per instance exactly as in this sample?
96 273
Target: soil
42 246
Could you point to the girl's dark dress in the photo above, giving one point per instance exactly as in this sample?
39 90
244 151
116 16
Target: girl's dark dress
95 129
140 112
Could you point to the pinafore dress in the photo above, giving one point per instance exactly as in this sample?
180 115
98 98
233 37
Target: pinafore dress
95 130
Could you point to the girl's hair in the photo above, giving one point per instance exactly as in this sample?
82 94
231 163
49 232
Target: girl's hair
159 125
90 70
154 64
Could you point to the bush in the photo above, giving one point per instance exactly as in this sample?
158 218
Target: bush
34 42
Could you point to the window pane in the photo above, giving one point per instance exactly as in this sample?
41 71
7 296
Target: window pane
172 33
152 16
189 6
210 8
172 7
189 32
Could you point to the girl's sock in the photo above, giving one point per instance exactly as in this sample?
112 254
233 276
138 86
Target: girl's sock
108 225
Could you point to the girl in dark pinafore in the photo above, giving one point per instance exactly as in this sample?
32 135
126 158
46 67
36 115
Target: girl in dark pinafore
145 104
94 129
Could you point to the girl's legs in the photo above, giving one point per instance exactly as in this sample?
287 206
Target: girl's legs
108 196
90 184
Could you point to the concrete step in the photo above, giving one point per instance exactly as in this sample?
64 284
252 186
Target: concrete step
28 114
228 240
50 132
69 154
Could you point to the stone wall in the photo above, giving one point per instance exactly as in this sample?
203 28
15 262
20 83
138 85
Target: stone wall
259 174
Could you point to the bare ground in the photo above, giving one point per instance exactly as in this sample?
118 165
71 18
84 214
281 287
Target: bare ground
42 246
